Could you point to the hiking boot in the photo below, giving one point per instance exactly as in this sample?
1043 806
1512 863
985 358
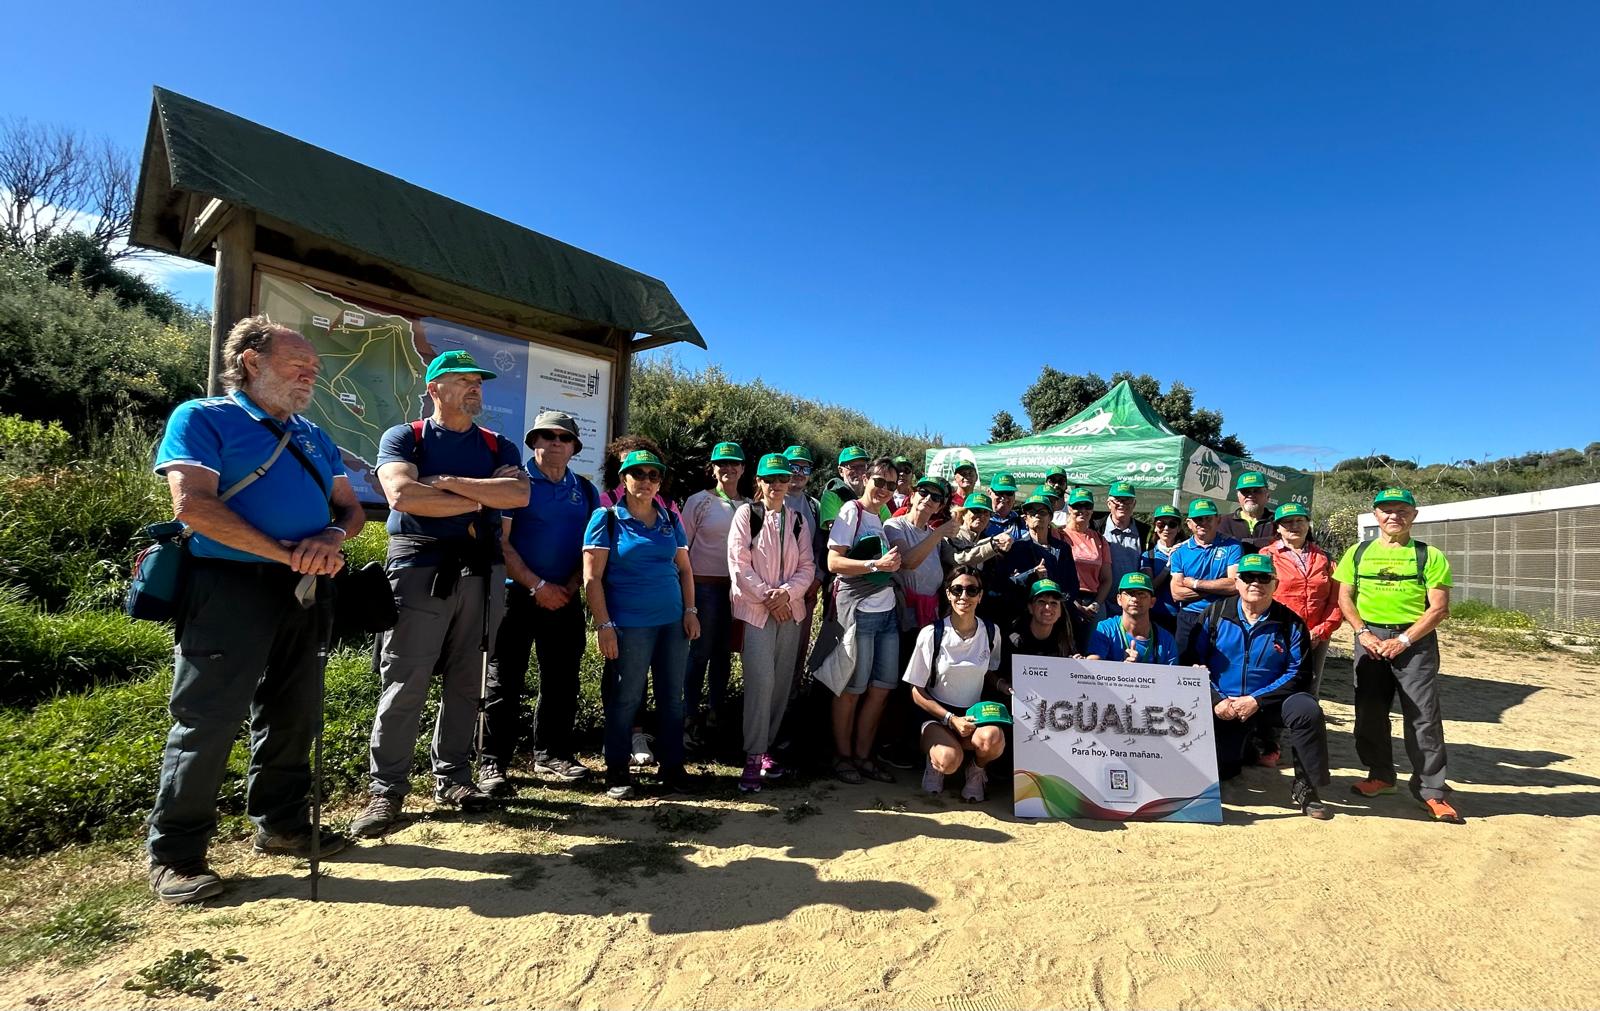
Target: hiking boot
977 777
189 881
1304 796
1371 787
770 769
462 796
492 779
381 814
641 755
564 769
932 779
1440 810
298 844
750 781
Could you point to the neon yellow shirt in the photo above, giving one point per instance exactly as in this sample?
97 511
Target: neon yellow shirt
1389 593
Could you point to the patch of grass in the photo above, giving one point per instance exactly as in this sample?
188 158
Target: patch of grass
616 863
43 654
182 974
680 820
78 932
800 812
1476 612
880 804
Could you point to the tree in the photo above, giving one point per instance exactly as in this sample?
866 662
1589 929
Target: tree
54 181
1056 396
1005 428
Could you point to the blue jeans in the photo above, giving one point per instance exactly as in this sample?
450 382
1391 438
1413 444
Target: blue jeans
877 651
659 650
711 649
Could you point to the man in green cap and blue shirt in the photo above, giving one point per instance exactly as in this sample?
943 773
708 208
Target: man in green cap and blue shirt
447 481
1394 591
1130 635
1006 519
1203 568
1251 523
1125 536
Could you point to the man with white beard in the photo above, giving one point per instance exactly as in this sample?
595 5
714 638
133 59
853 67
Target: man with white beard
255 484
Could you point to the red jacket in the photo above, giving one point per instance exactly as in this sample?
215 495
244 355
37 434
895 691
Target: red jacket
1311 592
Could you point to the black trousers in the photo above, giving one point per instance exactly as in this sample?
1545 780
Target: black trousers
1301 718
557 639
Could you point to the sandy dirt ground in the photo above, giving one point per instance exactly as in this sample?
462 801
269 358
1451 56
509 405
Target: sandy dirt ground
885 899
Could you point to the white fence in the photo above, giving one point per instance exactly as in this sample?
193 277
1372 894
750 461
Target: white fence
1537 552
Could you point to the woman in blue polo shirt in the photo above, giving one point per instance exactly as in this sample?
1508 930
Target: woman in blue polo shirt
640 589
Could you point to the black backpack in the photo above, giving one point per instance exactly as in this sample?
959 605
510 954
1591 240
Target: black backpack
758 519
1422 564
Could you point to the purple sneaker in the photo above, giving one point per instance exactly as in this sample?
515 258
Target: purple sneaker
750 781
770 769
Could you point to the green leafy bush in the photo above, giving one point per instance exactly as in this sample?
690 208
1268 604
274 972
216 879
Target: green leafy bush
27 446
48 654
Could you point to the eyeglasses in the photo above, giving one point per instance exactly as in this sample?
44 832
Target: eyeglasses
640 474
1166 523
1038 513
1255 577
882 482
800 469
965 590
566 437
931 496
1083 507
777 478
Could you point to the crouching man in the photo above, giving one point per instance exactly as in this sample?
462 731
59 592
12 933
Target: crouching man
253 481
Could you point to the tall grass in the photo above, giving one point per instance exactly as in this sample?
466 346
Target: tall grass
44 654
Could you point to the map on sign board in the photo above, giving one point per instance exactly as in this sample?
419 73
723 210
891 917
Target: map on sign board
374 359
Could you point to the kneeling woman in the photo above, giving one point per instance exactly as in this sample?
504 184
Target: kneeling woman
948 667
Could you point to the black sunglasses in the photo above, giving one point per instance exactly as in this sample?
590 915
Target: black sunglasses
1166 523
882 482
1083 507
566 437
653 476
777 478
931 496
1255 577
965 590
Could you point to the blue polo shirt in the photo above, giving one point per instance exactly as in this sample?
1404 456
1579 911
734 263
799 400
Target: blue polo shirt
641 578
1210 562
463 454
1109 641
548 531
225 436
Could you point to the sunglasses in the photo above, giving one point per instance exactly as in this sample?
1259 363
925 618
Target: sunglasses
640 474
1038 511
882 482
1083 507
800 469
777 478
931 496
965 590
1255 577
1166 523
565 437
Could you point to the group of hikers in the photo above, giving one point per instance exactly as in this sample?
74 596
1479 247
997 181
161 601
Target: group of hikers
925 589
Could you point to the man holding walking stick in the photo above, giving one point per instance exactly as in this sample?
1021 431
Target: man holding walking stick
447 481
253 482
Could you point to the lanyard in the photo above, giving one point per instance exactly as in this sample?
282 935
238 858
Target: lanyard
1145 655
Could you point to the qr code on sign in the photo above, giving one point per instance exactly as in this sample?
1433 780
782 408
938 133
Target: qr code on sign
1119 779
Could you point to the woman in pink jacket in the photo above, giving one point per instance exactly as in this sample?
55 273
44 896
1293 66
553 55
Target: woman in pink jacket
769 560
1305 584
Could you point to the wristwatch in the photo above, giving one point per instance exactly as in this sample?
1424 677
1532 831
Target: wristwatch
872 566
538 586
610 624
1405 639
1363 630
946 721
692 610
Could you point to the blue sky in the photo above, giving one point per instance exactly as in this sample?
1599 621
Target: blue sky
1348 228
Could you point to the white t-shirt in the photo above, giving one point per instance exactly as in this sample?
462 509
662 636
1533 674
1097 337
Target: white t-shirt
852 524
925 578
962 664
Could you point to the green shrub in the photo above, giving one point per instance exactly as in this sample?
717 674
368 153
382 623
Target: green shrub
1476 612
49 654
29 446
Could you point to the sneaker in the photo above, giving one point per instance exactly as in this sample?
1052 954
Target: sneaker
932 780
1304 796
298 844
620 791
750 781
642 755
492 779
1371 787
564 769
464 796
977 777
1269 759
381 814
770 769
1440 810
191 881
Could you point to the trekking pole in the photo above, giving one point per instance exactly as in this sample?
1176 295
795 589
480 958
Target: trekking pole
324 636
483 653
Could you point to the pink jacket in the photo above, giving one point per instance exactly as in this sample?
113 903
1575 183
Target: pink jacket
756 568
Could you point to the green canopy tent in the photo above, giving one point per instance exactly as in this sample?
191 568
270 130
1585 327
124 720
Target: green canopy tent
1121 438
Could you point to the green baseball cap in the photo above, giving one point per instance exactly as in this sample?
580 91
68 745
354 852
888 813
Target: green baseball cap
1289 509
1121 489
1036 500
1250 479
1003 484
901 459
1164 513
1136 581
850 454
1257 563
727 451
988 712
967 465
640 458
1202 507
1080 495
978 500
938 484
1055 472
1395 495
1045 586
798 454
452 362
772 465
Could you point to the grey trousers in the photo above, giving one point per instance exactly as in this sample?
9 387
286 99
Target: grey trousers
769 653
1315 659
1414 674
440 636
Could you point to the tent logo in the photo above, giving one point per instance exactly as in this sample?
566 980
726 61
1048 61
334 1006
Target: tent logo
1098 423
945 461
1206 473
